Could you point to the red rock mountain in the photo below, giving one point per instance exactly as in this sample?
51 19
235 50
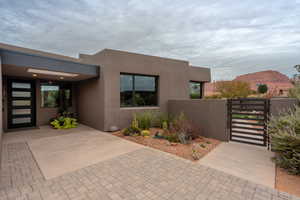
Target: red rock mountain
275 81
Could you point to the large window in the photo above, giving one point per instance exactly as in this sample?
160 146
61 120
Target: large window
56 95
138 90
196 90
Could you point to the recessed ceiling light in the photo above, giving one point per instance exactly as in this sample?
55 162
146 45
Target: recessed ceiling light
34 75
53 73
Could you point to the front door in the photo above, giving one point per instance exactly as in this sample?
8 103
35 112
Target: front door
21 103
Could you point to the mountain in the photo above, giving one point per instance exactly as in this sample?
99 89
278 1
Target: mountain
276 82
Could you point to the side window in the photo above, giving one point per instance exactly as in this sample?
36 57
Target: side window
49 96
196 90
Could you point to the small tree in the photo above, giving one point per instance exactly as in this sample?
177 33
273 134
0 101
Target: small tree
233 89
296 77
262 89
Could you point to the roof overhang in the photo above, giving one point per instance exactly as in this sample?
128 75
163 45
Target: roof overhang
16 63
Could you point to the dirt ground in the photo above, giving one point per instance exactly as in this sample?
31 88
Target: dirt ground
287 183
202 145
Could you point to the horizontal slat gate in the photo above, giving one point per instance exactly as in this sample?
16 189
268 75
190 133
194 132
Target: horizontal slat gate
248 120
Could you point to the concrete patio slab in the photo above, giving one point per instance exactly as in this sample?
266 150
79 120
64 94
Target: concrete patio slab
245 161
66 153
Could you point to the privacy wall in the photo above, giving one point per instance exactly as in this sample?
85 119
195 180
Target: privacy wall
212 115
278 105
209 115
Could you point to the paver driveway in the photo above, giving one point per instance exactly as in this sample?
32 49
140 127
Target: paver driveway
141 174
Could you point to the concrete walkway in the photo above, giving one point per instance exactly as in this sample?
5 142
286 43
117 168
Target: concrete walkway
62 154
249 162
62 151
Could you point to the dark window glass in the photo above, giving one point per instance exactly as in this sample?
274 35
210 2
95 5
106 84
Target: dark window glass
49 96
138 90
56 95
126 90
195 90
66 92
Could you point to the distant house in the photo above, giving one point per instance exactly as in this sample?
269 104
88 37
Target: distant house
276 82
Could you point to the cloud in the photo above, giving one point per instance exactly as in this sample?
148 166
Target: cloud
230 36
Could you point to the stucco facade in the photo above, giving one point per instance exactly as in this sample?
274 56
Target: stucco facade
104 105
96 86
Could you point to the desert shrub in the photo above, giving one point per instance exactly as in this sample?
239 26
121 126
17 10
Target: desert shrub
183 128
233 89
145 133
165 125
284 133
294 92
262 88
145 119
133 129
172 138
159 118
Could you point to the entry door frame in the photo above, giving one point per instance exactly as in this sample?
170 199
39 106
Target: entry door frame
10 106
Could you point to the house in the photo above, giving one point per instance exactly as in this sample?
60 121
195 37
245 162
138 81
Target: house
104 89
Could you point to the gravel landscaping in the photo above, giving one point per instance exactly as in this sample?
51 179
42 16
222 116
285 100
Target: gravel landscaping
200 146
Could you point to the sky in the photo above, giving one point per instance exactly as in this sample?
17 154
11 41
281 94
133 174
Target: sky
231 37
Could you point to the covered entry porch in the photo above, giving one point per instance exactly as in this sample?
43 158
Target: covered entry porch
37 85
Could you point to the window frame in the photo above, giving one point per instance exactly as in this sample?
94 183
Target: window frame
134 105
201 89
61 86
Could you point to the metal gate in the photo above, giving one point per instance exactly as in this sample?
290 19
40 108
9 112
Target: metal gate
248 119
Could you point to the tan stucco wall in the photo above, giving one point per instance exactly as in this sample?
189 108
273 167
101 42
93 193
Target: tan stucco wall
174 77
209 115
90 103
90 96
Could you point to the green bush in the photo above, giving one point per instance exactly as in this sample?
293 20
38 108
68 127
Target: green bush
285 140
133 129
262 89
149 119
64 123
172 138
145 133
145 119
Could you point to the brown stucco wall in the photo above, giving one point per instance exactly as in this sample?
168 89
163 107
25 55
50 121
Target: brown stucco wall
209 115
174 76
90 96
279 105
90 103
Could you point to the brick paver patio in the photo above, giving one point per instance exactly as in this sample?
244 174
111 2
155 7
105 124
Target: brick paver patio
142 174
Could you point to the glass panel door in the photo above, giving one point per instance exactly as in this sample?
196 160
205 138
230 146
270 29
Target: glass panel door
21 103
